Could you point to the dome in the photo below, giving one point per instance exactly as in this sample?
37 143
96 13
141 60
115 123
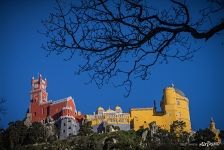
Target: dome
177 90
100 108
180 92
118 109
110 111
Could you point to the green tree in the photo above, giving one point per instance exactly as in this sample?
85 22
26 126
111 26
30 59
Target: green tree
177 133
3 140
117 128
204 135
122 140
16 133
221 134
36 133
85 129
163 135
108 128
140 131
177 126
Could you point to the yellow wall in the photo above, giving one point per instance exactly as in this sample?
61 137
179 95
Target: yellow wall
141 117
174 107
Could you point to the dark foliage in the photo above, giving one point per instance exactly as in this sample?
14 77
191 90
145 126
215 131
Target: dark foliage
36 133
204 135
18 136
85 129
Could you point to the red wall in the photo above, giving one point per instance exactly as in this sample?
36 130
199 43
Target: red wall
41 111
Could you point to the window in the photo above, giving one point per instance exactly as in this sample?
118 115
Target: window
69 127
63 131
178 102
64 124
35 114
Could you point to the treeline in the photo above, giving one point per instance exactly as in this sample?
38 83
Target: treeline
38 137
18 134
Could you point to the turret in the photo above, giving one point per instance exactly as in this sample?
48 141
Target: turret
176 106
212 124
214 130
169 95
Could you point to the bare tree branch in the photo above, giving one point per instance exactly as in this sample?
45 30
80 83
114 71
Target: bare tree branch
125 38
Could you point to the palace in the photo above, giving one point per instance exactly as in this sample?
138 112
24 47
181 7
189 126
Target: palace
62 112
174 106
102 118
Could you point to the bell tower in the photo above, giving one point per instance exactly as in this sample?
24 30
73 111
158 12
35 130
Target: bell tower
38 92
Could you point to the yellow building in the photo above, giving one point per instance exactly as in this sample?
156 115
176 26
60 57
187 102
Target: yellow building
102 118
174 106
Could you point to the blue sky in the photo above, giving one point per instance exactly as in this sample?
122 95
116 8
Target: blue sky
21 57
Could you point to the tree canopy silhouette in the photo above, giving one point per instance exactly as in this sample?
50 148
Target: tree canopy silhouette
126 38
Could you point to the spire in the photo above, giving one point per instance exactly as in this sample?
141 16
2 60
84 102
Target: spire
212 120
39 76
32 80
212 124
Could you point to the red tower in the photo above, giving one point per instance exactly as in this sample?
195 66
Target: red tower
39 93
41 108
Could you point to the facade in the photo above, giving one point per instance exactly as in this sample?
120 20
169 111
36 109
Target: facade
68 126
101 118
174 106
63 112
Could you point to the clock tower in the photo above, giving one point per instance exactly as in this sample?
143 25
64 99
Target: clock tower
39 93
